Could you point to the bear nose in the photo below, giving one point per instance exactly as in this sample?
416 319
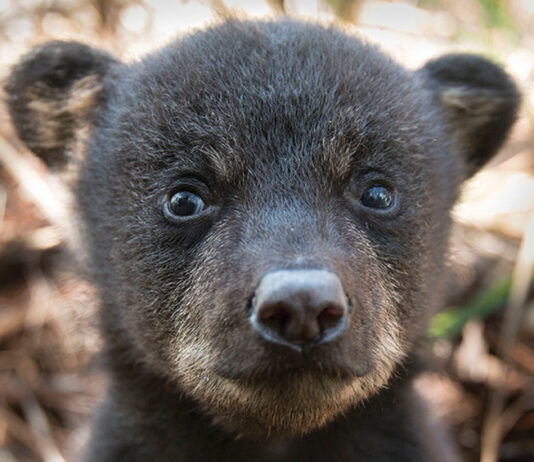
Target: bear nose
299 307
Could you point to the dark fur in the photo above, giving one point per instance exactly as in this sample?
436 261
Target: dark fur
279 126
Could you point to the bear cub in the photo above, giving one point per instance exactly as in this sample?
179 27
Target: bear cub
265 212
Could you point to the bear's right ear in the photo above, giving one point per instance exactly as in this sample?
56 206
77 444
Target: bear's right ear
52 93
479 101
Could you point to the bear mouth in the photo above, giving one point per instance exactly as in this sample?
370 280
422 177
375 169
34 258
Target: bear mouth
269 389
274 362
253 387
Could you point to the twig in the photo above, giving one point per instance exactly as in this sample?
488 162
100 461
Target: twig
11 320
492 431
3 200
40 428
18 428
33 184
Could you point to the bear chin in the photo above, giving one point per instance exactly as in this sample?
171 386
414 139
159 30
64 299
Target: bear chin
294 405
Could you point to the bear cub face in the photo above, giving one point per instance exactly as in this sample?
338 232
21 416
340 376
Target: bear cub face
266 206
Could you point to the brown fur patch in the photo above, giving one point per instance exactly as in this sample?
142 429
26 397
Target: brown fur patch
57 116
295 404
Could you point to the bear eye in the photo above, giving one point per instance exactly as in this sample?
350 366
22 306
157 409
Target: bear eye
185 204
378 197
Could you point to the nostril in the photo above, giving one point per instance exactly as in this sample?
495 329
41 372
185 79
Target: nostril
276 317
330 317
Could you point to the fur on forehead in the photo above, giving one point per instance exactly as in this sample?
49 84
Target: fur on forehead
304 93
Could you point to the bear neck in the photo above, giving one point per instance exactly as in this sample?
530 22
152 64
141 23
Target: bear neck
145 417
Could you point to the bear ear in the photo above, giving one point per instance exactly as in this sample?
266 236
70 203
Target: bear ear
52 93
480 103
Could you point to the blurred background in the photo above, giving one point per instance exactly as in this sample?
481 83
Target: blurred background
480 348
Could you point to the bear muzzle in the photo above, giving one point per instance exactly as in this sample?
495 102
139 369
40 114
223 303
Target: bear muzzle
300 308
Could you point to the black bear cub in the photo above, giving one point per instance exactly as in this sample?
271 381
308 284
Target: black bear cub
266 211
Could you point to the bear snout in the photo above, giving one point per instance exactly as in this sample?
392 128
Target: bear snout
299 308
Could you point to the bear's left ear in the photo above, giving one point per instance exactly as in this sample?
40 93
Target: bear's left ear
53 92
480 103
